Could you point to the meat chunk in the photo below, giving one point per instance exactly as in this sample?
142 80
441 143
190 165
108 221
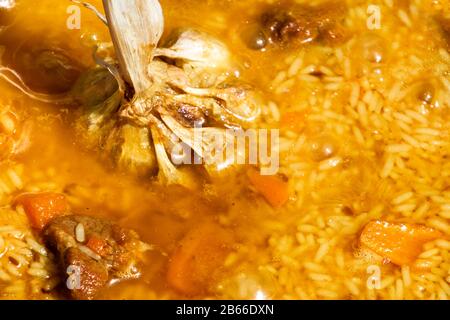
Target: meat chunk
283 27
294 23
92 274
93 252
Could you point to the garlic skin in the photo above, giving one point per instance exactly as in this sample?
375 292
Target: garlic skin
197 49
136 29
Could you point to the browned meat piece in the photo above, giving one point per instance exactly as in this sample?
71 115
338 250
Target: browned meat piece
98 250
294 23
93 274
283 27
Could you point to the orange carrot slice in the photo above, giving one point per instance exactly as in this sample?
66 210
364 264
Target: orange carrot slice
273 188
200 254
42 207
401 243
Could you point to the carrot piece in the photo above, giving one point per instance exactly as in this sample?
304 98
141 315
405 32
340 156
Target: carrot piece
200 254
97 245
401 243
42 207
294 121
273 188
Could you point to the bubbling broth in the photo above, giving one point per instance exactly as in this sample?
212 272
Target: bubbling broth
363 121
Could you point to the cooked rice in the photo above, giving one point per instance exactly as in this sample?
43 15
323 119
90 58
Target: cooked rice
79 233
410 179
90 253
26 268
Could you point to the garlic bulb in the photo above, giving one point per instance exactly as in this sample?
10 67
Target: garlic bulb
139 106
168 98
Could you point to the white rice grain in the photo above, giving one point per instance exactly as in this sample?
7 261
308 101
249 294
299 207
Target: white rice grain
80 233
321 252
35 246
90 253
402 198
406 275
